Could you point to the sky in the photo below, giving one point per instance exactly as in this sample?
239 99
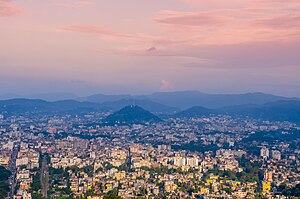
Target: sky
141 46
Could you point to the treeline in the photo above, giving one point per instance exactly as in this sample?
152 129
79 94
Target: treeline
196 147
271 136
4 186
289 192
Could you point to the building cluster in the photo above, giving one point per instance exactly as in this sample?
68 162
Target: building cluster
210 157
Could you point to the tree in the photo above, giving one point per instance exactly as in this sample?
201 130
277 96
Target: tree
111 196
4 187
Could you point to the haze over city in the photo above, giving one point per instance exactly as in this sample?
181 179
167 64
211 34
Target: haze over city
139 47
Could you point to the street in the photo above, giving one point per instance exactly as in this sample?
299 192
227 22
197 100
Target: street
12 168
44 177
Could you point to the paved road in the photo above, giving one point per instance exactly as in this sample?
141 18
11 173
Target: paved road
12 168
44 177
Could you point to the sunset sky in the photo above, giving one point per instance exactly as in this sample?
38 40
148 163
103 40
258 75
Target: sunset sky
143 46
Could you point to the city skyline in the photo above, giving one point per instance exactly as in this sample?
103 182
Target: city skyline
137 47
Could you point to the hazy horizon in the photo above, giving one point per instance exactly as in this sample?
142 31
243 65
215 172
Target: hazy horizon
70 95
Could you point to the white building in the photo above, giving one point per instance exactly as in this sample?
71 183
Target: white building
21 161
164 147
264 153
179 161
276 155
192 161
23 175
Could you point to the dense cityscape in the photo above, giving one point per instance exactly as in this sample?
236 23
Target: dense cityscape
149 99
216 156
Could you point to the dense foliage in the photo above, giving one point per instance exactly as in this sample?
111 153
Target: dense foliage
196 146
4 187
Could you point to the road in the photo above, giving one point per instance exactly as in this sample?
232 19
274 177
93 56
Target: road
13 169
44 177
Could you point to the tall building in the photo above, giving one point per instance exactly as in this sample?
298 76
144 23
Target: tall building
192 161
268 176
264 153
164 147
179 161
276 155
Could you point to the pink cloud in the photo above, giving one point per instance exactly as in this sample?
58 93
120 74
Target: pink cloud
8 8
78 4
286 21
199 19
236 4
93 29
137 38
279 1
230 26
165 85
206 38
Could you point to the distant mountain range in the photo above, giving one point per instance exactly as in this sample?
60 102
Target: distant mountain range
42 96
20 106
187 99
149 105
274 111
196 111
131 115
194 104
101 98
171 101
